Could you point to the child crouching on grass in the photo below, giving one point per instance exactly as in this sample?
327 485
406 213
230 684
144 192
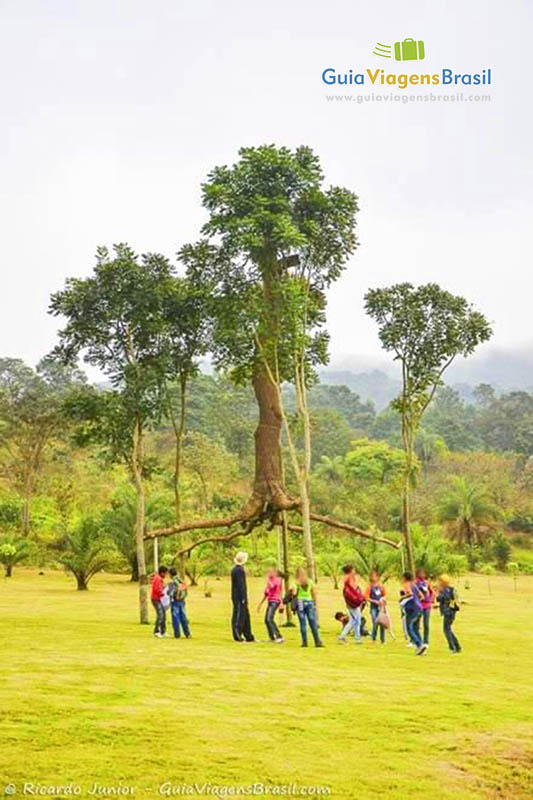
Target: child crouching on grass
449 606
343 618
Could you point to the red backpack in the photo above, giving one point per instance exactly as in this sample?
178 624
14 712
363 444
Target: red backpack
353 596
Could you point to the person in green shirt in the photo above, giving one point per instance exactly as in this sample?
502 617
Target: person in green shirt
304 591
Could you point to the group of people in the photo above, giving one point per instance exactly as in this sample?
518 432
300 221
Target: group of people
417 599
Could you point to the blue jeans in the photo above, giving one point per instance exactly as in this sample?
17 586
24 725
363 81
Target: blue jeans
179 618
412 619
451 638
353 623
374 611
272 628
306 614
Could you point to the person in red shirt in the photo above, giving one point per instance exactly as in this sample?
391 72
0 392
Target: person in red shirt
355 600
156 595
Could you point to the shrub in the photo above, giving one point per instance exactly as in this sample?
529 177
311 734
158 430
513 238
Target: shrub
501 550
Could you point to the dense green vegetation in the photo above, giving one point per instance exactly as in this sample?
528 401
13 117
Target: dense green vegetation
90 475
464 497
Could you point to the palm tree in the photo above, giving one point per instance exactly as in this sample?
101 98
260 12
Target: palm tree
120 522
13 549
331 469
467 507
85 551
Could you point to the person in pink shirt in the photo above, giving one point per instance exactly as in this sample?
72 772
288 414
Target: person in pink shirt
272 597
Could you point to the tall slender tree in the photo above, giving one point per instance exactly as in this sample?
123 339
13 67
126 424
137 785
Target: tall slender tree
425 328
114 321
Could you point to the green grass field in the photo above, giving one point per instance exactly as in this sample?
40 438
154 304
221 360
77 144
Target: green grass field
88 695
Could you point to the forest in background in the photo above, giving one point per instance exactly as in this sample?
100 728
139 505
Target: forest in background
92 477
62 504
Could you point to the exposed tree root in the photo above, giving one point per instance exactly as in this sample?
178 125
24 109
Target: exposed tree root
253 514
344 526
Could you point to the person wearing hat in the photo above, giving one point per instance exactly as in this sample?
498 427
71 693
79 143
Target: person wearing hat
240 620
449 606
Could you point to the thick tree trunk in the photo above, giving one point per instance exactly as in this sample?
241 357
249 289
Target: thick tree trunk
9 570
134 569
139 524
268 481
82 583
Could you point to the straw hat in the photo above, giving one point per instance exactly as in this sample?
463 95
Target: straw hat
241 557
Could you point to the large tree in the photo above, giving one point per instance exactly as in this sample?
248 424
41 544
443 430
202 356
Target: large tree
272 225
114 320
425 328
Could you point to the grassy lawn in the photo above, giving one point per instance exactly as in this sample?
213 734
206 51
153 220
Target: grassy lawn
88 695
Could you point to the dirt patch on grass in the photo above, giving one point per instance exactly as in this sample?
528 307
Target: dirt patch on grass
491 766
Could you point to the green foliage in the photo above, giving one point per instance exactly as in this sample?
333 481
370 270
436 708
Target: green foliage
85 550
268 214
13 550
468 509
358 415
501 549
425 328
30 419
119 522
10 512
506 422
374 462
434 552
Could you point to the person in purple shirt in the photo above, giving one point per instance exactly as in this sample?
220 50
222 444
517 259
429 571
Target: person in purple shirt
412 607
427 597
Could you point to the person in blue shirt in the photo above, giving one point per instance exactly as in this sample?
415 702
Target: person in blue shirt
375 595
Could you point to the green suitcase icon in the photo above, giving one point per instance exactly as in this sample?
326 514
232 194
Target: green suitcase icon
409 50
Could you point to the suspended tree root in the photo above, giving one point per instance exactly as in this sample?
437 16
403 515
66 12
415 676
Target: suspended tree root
256 513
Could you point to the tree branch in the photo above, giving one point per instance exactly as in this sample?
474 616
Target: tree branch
344 526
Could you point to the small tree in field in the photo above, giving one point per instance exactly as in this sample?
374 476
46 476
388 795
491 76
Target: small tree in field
425 328
85 551
13 550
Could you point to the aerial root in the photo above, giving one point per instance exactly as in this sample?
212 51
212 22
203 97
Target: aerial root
254 514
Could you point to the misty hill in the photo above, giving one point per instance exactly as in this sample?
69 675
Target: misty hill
378 379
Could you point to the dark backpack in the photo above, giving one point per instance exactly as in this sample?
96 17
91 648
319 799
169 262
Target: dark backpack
292 601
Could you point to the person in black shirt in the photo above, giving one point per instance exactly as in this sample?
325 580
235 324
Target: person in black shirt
240 621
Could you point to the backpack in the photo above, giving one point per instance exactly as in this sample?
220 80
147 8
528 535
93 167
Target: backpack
454 602
291 600
179 590
353 596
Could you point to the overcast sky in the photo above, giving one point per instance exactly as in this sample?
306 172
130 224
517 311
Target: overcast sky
112 113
